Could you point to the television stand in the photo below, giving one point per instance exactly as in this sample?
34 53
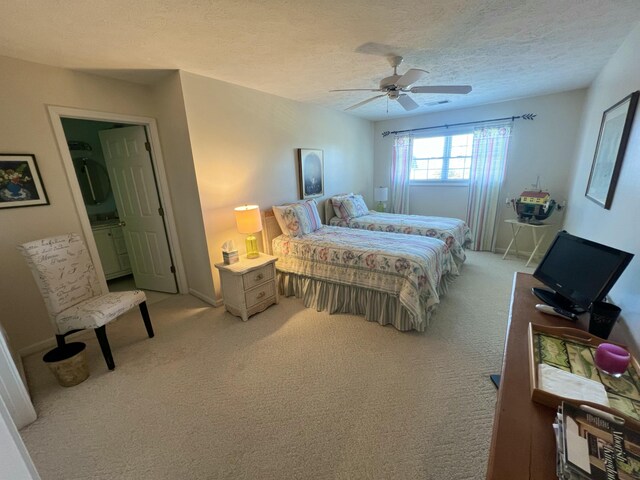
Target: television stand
523 444
552 298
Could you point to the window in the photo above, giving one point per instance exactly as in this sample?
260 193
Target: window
442 159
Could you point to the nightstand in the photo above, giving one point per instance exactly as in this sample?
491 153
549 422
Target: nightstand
249 286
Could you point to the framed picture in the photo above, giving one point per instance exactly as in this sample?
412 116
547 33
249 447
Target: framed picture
612 143
310 173
20 183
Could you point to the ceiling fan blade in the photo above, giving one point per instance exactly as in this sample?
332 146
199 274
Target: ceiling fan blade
412 76
407 102
461 89
357 90
365 102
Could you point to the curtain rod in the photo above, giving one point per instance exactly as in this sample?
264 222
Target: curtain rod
526 116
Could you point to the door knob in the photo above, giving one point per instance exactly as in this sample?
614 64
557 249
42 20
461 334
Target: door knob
122 224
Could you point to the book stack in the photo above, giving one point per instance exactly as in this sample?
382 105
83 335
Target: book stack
592 444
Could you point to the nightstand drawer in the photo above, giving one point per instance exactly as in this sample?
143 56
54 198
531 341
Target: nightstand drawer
258 276
259 294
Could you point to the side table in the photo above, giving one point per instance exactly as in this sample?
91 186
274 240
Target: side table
249 286
516 226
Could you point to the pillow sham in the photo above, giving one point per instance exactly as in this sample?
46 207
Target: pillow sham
349 206
355 206
298 219
338 209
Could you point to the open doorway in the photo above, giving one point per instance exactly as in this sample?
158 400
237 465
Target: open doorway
115 174
118 186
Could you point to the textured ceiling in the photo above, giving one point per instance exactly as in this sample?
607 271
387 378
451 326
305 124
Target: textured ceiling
300 49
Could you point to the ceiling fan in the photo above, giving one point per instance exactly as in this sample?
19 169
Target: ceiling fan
397 86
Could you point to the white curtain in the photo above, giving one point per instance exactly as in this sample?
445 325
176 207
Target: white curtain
400 170
488 159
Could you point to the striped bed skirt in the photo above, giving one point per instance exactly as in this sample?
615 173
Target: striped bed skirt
376 306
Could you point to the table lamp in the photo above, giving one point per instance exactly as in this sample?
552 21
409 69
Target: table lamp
249 222
380 195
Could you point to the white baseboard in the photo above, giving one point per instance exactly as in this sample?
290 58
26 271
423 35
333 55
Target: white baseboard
205 298
50 343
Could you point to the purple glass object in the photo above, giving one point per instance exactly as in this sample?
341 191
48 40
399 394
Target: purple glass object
612 359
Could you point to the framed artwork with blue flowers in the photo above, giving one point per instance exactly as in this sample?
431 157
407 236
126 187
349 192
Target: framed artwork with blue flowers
20 183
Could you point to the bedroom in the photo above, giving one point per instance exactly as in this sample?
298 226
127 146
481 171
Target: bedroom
225 145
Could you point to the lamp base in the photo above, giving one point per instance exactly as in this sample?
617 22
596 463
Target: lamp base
380 207
252 246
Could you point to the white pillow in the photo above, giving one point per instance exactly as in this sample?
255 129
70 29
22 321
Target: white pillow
355 206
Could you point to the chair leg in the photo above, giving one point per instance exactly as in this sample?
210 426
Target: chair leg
147 320
60 340
101 333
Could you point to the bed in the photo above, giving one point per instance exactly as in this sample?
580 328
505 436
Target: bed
387 277
454 232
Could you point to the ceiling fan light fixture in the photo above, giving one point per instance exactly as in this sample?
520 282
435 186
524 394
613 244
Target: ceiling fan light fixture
396 87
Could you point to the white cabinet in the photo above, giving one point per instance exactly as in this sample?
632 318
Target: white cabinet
112 250
249 286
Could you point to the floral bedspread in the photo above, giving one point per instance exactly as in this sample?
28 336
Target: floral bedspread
455 233
409 267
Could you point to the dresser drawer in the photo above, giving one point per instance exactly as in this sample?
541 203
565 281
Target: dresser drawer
259 294
256 277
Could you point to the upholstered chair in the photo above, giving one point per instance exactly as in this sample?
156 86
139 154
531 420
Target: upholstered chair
72 294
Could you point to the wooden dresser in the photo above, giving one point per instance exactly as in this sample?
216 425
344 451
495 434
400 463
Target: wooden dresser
523 444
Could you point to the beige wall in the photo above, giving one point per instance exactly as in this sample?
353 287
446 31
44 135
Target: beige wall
244 142
618 227
542 147
178 163
25 91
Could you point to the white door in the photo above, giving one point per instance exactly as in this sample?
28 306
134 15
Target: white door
141 215
13 391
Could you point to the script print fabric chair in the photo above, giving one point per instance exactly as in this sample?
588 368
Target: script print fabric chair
68 283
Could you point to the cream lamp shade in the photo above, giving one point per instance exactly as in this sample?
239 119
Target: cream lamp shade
248 221
380 195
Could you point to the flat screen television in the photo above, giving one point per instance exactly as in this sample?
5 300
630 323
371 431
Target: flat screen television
579 272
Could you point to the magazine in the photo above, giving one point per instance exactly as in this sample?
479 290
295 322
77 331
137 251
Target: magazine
595 445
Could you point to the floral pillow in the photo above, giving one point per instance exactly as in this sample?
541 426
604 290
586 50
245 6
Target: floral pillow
298 219
349 206
338 208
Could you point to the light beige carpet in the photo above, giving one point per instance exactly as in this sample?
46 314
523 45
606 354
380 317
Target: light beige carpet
292 393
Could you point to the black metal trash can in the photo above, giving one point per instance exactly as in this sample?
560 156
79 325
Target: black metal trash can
68 363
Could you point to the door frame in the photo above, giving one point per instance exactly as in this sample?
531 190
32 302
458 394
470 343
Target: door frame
56 114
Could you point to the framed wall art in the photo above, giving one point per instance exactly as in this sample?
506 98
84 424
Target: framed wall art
20 182
612 143
310 173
